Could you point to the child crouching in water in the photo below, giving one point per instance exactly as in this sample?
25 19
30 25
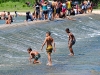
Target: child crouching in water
33 55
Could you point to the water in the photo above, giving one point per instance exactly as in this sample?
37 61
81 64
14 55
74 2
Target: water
15 41
15 19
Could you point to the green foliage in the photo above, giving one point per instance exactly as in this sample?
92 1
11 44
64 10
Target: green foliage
12 6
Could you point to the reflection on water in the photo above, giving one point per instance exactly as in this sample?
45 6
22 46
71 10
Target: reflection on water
15 41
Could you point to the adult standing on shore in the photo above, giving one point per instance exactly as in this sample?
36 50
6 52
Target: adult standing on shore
45 10
37 10
71 41
68 3
49 41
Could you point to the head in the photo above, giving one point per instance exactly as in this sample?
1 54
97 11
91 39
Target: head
6 18
29 50
8 13
48 34
67 30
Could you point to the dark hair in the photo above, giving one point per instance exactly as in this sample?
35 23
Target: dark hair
48 32
6 18
29 49
67 29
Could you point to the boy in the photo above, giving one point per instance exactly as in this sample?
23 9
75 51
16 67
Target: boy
33 54
71 41
49 42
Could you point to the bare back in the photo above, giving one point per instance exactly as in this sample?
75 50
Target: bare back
49 40
71 36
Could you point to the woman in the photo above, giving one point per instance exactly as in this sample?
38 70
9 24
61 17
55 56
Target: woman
45 11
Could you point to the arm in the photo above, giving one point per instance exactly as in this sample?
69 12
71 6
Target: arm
54 46
43 43
30 57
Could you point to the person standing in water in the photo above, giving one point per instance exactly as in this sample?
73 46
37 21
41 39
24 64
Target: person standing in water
49 41
71 41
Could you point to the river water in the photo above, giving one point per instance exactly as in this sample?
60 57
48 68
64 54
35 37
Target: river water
15 41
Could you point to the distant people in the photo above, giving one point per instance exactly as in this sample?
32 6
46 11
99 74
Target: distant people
54 4
16 14
85 6
88 6
10 17
33 55
49 41
58 9
37 10
3 15
45 11
7 21
64 9
29 16
69 6
71 41
49 7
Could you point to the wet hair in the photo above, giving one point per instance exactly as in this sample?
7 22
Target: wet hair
67 29
48 32
29 49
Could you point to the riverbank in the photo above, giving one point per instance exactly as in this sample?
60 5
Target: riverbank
95 11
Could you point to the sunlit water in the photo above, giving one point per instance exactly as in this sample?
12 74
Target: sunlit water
15 41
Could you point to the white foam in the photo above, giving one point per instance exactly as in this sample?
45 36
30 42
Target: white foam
90 18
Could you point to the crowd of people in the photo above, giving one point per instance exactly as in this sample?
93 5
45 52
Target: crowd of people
49 10
57 9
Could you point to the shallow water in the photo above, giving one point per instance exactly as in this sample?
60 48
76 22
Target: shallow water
15 41
18 19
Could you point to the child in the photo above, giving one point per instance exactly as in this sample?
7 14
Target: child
49 41
33 54
71 41
7 21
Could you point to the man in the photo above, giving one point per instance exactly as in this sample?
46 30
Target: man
37 10
49 42
33 54
69 2
71 41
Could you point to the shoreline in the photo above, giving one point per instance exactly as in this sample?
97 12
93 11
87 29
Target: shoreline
2 26
95 11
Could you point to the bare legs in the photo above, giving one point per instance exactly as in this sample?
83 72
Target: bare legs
71 50
49 59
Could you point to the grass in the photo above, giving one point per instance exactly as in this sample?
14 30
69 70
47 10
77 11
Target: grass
15 6
99 6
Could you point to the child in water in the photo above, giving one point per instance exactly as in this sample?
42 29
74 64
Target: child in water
33 55
7 21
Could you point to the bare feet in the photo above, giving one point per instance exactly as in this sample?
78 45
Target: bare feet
71 54
48 64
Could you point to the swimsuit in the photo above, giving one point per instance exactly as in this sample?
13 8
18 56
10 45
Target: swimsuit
36 57
72 42
49 49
